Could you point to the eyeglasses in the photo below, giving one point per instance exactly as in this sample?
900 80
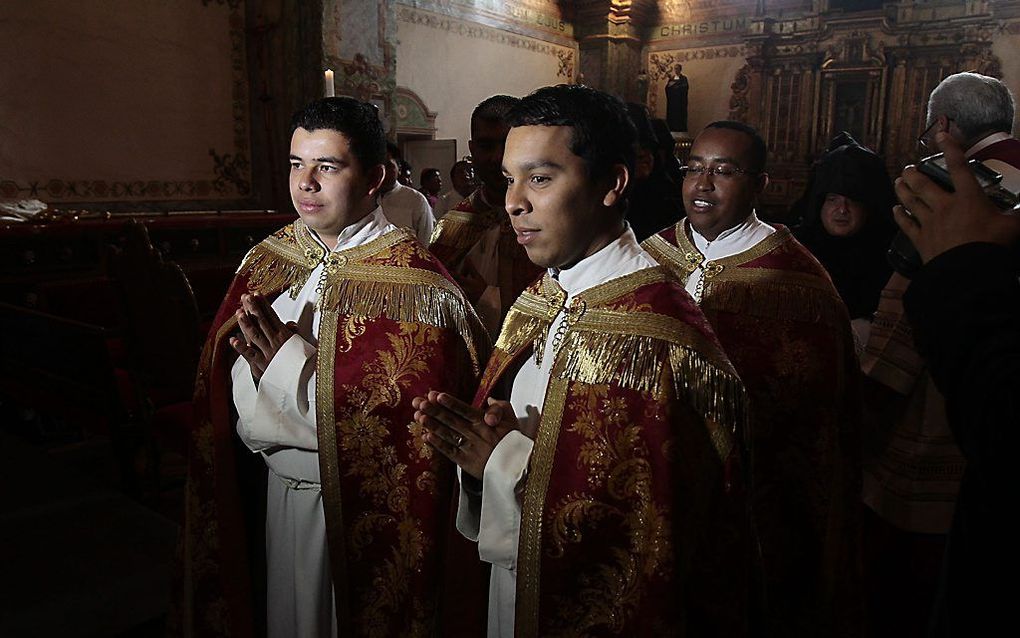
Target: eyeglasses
922 139
724 171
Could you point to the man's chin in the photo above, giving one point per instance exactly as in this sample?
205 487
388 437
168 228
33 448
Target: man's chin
320 225
539 258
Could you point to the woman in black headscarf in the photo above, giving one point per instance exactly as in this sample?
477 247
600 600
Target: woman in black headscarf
846 221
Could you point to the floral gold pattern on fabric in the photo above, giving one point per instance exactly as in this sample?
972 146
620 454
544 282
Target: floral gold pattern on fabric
352 327
616 458
362 437
777 313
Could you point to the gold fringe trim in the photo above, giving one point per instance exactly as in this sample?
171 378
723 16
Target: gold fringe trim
268 271
527 318
631 349
775 301
637 362
715 394
365 289
410 301
668 256
457 230
631 361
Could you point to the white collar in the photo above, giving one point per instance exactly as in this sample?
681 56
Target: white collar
732 240
986 142
618 258
369 227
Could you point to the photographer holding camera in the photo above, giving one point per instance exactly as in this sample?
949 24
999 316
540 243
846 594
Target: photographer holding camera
964 305
913 466
977 111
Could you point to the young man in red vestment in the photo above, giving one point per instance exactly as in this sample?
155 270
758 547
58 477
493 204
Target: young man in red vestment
783 325
331 326
599 492
475 240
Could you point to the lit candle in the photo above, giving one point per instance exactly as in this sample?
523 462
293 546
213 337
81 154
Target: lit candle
330 90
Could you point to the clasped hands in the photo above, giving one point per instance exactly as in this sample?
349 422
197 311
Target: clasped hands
264 333
464 434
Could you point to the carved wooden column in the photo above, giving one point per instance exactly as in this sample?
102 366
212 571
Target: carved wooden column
608 36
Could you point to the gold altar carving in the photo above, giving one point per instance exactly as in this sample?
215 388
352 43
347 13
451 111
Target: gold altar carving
811 76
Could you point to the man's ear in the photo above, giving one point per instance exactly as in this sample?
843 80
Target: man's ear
763 182
619 177
376 175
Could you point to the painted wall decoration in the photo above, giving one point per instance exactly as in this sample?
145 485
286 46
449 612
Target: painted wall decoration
122 101
453 63
546 19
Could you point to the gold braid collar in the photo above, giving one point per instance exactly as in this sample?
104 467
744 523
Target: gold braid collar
599 344
371 280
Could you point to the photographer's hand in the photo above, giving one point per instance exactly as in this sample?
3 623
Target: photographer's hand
936 220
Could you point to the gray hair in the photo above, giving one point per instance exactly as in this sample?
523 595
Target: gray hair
975 102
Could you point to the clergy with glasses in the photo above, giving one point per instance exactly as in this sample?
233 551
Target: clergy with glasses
782 323
604 493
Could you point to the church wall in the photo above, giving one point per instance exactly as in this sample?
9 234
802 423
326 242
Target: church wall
124 102
1005 47
709 70
454 55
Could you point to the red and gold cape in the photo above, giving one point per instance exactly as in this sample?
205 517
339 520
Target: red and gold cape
396 326
461 229
627 526
787 332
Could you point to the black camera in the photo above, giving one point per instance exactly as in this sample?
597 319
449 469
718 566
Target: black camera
902 255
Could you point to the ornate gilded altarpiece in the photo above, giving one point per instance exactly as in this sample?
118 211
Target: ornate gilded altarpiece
811 70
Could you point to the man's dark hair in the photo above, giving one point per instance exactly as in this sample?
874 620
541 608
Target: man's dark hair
643 125
394 151
493 110
759 150
603 134
427 173
357 121
456 165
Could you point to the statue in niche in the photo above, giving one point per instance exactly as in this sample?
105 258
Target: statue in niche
676 101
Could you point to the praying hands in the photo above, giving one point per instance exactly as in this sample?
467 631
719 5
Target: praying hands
464 434
264 333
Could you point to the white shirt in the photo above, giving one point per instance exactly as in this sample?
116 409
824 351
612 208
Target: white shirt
493 518
744 236
407 208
